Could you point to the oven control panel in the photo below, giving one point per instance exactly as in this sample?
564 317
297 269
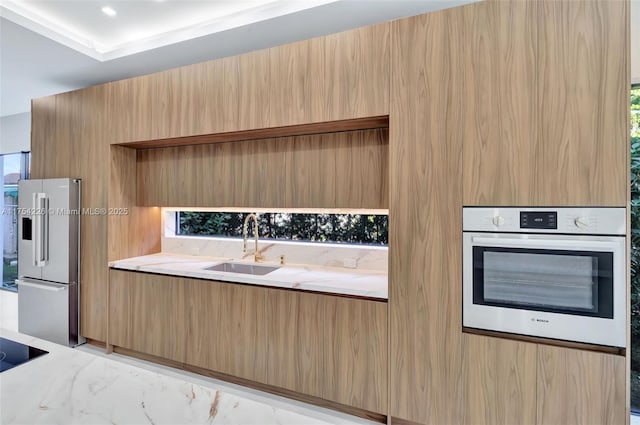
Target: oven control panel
594 221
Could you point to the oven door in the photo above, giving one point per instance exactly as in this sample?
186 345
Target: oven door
552 286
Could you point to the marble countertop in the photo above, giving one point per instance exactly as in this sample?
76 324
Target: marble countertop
74 386
362 283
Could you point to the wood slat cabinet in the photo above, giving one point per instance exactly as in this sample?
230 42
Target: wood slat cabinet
326 346
580 387
547 103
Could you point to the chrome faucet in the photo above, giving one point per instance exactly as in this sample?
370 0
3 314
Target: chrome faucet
256 255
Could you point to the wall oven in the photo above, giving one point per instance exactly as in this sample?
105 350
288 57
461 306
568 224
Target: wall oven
547 272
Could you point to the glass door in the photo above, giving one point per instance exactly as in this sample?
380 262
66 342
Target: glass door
13 167
555 281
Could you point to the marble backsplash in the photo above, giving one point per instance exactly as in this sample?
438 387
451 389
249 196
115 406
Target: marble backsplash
327 255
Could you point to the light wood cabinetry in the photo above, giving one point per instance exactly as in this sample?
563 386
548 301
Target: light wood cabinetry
580 387
547 103
425 206
330 347
357 72
296 341
356 353
120 296
297 83
336 170
326 346
500 381
148 313
583 86
500 106
246 91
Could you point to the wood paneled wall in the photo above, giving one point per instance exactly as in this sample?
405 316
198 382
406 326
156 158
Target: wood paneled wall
501 103
335 170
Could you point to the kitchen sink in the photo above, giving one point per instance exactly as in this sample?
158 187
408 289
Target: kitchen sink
253 269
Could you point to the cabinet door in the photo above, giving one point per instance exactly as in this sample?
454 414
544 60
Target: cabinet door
246 91
357 73
500 126
297 83
119 308
583 72
500 381
157 315
296 341
580 387
227 327
355 353
329 347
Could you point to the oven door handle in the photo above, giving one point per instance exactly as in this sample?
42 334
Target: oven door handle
575 245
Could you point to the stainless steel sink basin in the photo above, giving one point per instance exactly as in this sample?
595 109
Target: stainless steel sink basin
253 269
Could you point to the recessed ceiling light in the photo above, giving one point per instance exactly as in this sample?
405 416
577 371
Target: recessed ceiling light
109 11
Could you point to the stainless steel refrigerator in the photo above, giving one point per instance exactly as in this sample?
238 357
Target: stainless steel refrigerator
49 259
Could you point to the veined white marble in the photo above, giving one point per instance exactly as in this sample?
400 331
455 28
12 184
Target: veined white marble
364 283
365 257
70 386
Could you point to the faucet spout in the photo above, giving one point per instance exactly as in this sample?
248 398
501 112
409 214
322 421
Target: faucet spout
245 233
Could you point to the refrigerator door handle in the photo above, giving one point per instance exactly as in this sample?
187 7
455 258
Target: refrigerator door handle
40 219
45 230
46 286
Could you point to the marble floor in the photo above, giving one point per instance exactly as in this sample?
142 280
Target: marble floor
87 386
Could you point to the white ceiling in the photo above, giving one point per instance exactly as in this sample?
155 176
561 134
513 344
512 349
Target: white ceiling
52 46
36 60
138 25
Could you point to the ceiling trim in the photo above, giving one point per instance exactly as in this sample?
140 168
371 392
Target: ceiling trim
17 14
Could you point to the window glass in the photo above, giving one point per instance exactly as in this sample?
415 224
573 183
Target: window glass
13 167
313 227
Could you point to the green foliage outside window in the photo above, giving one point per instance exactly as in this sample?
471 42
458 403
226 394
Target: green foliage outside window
635 248
334 228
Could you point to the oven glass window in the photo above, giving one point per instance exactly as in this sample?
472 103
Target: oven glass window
573 282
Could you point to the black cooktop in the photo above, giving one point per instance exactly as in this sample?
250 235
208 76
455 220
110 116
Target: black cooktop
13 354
